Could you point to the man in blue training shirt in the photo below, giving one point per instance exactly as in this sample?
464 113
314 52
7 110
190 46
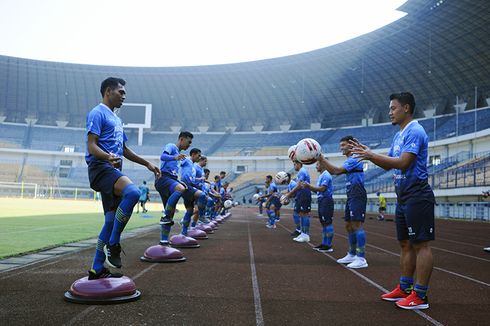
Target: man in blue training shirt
272 202
144 197
106 145
355 206
191 194
168 185
415 201
324 190
199 181
302 202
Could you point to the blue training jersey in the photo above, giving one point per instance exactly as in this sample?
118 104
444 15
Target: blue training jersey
205 188
187 172
304 176
144 192
325 179
168 164
101 121
411 183
199 174
354 177
292 184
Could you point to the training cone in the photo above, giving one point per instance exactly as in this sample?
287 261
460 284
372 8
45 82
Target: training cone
162 254
206 228
182 241
197 234
102 291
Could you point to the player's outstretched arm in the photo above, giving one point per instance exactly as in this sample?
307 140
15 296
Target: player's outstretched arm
364 153
332 169
132 156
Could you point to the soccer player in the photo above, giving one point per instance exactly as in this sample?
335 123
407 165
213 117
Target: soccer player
382 206
168 185
200 178
355 206
302 202
415 201
259 202
272 202
191 193
145 194
296 219
106 145
324 190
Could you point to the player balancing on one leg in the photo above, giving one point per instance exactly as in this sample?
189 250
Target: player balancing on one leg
145 195
271 201
106 145
296 219
355 206
324 190
199 180
168 185
415 201
191 194
302 202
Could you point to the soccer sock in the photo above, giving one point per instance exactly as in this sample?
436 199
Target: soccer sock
361 242
327 233
171 203
297 221
186 221
421 290
272 217
164 232
406 282
104 236
352 243
306 224
130 197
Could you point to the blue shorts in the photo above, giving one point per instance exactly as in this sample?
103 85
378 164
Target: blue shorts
102 176
325 210
302 202
355 209
415 220
188 195
274 201
165 185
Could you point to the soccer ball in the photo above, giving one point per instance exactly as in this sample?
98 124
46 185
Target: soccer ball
308 150
256 196
284 200
281 177
228 203
235 204
292 153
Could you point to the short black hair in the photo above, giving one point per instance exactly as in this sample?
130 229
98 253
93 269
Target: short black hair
186 134
269 177
203 158
144 182
404 98
289 175
111 82
347 138
207 171
222 172
195 151
216 177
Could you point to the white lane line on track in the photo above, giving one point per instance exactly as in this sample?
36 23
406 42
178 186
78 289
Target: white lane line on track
79 317
436 248
259 318
437 268
376 285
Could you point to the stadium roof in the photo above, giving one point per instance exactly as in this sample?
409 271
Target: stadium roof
438 51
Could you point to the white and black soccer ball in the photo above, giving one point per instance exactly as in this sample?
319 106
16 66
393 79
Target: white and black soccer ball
256 197
281 177
308 150
284 200
292 153
228 203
